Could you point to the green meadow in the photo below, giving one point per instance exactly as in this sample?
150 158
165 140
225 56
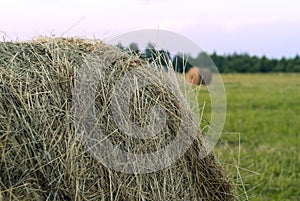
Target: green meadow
260 143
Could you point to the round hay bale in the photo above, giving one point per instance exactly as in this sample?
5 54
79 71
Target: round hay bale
197 76
43 157
193 76
206 76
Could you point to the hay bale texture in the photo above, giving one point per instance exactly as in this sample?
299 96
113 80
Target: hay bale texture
42 157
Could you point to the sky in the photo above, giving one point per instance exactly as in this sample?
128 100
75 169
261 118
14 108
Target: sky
257 27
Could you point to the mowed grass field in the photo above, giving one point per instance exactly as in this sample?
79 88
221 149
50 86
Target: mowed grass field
260 144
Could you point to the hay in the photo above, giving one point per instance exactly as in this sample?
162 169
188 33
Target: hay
43 157
196 76
206 76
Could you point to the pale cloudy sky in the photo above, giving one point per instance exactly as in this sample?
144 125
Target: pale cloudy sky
259 27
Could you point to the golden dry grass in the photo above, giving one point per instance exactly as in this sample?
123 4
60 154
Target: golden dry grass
42 156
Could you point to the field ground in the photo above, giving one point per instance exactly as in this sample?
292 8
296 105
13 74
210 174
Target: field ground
260 144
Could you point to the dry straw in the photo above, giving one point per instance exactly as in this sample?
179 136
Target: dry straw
42 157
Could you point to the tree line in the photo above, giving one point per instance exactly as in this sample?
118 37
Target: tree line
244 63
234 63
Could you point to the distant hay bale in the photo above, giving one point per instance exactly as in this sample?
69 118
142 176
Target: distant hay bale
196 76
206 76
193 76
42 157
